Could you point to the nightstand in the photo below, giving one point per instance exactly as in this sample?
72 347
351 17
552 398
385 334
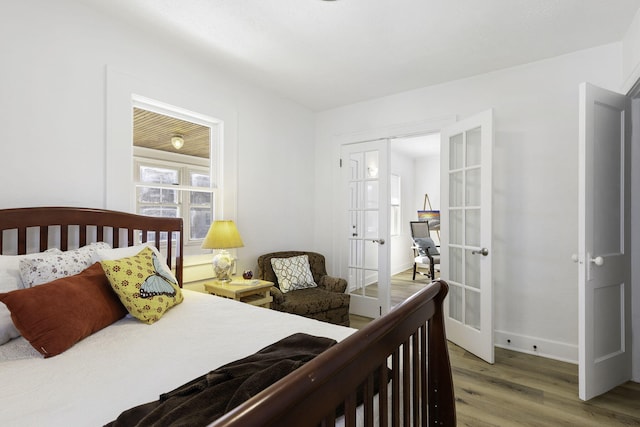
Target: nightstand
252 291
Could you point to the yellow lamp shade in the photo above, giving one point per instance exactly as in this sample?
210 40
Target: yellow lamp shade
222 235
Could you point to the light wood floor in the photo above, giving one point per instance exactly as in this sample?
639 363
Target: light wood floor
521 389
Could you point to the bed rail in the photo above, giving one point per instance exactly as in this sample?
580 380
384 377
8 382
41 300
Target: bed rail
410 340
35 229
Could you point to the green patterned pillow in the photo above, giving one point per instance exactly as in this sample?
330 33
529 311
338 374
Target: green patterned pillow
144 284
293 273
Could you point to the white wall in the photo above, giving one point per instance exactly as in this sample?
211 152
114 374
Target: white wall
427 177
535 182
53 111
631 55
401 252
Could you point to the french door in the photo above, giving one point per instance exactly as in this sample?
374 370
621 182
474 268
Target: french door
466 161
604 242
365 169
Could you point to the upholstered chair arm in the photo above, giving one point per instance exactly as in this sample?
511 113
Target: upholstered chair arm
333 284
278 296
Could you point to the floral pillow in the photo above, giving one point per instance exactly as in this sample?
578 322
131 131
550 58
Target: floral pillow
144 284
293 273
47 266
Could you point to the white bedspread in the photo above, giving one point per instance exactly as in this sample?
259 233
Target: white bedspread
130 363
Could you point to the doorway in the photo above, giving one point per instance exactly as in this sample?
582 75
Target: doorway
415 166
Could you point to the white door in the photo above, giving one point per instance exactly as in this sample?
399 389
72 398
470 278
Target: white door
466 156
365 169
604 241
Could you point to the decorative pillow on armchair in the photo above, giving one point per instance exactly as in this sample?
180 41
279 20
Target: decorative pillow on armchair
293 273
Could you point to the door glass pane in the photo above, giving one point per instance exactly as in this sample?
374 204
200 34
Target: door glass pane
355 253
456 192
455 226
472 309
472 193
455 265
356 160
472 227
473 147
356 281
371 225
371 283
455 151
455 302
354 195
370 255
472 269
371 160
371 195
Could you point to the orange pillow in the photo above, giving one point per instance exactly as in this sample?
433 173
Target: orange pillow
56 315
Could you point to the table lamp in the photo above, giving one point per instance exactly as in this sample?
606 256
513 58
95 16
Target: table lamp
222 235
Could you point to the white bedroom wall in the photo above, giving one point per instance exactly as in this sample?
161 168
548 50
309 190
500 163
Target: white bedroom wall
535 182
401 252
631 55
53 114
427 177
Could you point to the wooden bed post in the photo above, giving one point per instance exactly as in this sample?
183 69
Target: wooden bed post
442 409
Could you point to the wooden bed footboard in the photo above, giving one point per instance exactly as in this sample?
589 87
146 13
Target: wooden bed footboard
405 349
35 229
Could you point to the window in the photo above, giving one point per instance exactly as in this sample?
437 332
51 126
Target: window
176 180
168 189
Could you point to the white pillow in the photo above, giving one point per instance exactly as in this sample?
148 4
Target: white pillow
8 330
293 273
10 280
50 266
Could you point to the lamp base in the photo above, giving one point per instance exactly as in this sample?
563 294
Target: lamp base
222 264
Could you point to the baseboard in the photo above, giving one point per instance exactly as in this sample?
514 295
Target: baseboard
540 347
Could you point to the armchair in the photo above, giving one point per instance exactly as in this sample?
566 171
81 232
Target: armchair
327 302
425 251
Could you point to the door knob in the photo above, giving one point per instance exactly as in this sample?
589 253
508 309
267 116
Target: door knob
483 252
379 241
574 258
597 261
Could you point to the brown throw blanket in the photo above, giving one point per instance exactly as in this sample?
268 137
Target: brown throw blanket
204 399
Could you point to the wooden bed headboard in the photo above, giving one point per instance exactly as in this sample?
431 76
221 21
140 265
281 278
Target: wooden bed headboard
35 229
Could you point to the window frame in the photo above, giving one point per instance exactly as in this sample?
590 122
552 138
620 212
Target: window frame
184 165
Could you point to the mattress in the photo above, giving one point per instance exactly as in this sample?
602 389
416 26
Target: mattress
130 363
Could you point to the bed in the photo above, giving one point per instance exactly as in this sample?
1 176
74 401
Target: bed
394 371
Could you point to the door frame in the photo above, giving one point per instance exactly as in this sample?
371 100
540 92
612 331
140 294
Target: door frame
400 130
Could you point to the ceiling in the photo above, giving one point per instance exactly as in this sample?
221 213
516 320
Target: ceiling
324 54
153 130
